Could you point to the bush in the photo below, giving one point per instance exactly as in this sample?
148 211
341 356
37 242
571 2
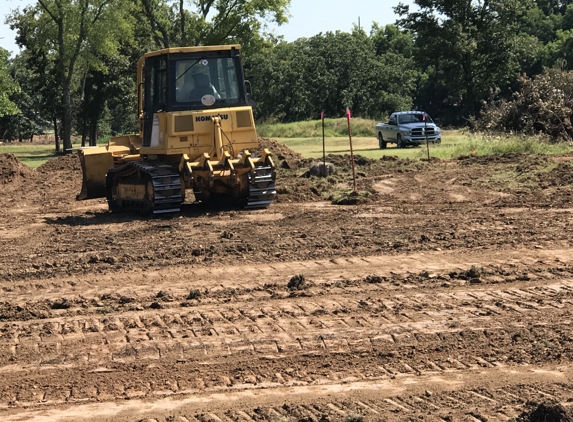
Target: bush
544 105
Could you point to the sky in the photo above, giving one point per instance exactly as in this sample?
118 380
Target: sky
308 17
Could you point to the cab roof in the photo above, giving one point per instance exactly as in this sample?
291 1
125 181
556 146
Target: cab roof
199 49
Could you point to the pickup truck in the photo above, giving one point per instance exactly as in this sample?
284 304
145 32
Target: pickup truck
408 128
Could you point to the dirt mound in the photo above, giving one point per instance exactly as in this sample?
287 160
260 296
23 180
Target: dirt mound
507 158
340 161
282 152
69 162
562 175
546 413
11 169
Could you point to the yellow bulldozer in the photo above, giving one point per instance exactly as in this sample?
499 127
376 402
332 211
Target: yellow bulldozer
195 131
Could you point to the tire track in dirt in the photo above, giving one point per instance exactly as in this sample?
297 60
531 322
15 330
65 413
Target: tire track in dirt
429 397
390 332
179 279
273 326
291 234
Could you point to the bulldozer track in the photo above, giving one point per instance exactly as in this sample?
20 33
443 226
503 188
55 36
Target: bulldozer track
166 184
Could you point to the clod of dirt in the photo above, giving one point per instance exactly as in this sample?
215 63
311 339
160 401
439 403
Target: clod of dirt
61 304
373 279
289 165
11 169
165 296
354 418
156 305
546 413
194 294
322 169
94 259
363 161
296 282
112 260
351 198
126 299
474 272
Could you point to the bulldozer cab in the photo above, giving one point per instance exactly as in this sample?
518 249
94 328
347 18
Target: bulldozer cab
199 80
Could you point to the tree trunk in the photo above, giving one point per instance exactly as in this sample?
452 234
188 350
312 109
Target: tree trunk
93 132
84 128
56 134
67 115
469 83
182 14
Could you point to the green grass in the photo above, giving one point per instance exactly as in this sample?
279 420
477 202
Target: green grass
31 155
103 140
313 128
454 143
457 143
35 155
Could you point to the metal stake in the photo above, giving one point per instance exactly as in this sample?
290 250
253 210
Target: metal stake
351 150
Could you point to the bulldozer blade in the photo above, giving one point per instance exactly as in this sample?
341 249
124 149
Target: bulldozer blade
95 164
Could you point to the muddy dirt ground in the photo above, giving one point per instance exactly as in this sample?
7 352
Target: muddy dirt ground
446 295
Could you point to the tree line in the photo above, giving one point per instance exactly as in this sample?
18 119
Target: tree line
457 60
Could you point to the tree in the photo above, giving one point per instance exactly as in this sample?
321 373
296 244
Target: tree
470 46
212 22
332 71
562 48
390 39
7 86
28 98
77 33
108 99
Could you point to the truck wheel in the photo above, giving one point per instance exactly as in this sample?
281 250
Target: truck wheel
381 142
399 142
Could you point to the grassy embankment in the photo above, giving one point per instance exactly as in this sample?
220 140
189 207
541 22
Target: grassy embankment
306 138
